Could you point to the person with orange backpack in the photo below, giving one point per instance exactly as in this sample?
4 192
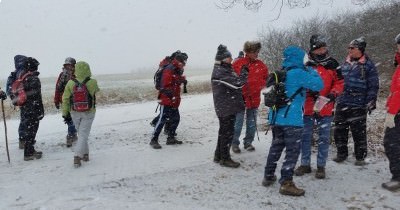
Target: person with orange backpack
79 106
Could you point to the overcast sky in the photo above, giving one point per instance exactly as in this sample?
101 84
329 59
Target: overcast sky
122 36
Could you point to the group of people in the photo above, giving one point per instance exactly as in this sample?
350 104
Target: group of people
322 90
74 77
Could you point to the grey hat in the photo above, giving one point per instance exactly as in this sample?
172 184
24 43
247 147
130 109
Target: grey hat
359 43
222 53
70 60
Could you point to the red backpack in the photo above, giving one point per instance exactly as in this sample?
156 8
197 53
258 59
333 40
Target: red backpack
18 94
81 99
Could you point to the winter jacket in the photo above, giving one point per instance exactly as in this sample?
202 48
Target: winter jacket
333 84
227 90
361 83
297 77
170 89
257 78
33 107
393 101
62 81
19 61
82 71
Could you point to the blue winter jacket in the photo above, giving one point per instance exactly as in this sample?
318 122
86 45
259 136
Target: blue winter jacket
297 77
361 83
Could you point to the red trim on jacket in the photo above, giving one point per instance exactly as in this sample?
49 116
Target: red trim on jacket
393 101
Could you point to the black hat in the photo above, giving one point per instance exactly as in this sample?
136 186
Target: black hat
397 39
222 53
359 43
181 57
317 41
31 64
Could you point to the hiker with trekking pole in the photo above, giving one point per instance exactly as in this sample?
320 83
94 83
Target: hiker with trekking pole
258 73
3 96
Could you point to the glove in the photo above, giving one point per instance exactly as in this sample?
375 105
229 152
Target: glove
330 64
389 120
371 106
245 70
3 95
67 119
314 94
185 82
331 97
57 105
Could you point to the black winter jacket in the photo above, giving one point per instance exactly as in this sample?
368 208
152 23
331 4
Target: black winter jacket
33 108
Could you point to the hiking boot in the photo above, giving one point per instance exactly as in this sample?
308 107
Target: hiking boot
339 159
77 162
35 155
289 188
320 174
249 147
393 185
229 163
301 170
235 148
216 159
360 163
152 124
173 140
21 145
268 181
154 143
85 157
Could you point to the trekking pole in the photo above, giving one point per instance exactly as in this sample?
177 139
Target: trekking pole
5 130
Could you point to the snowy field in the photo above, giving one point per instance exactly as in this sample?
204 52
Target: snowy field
125 173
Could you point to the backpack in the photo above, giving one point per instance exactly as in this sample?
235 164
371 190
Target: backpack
158 75
81 100
17 92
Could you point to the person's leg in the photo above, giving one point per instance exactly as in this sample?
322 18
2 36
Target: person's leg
341 133
86 119
306 140
391 142
292 139
251 123
275 151
324 133
226 134
239 118
358 127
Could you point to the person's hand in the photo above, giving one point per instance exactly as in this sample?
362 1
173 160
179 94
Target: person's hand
331 97
371 106
67 119
57 105
313 94
245 69
3 95
184 82
330 64
389 120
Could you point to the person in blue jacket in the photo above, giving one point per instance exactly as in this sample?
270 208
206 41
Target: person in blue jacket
288 127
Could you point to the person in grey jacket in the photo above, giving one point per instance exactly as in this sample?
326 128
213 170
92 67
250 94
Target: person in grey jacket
228 101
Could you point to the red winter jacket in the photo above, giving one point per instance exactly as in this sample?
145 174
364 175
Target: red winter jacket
170 90
62 81
393 101
257 79
332 85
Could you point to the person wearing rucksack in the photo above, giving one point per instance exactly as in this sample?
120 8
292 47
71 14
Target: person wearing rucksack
256 80
66 74
361 85
319 105
288 120
170 98
31 110
79 105
3 95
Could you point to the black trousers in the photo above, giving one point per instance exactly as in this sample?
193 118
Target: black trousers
354 120
391 142
168 115
28 128
225 136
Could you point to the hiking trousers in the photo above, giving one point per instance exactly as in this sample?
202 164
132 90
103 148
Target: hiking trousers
225 136
251 123
391 142
83 122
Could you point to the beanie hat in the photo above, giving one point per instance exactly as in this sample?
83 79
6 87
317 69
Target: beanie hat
359 43
70 60
31 64
181 57
251 46
317 41
241 54
397 39
222 53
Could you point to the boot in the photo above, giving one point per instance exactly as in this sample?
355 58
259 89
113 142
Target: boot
360 163
71 138
85 157
21 144
229 163
34 155
289 188
173 140
393 185
249 147
267 181
320 174
339 159
235 148
301 170
154 143
77 162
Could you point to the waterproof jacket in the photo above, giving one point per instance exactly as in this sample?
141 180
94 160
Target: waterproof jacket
256 80
333 84
361 83
170 88
19 61
62 81
393 101
227 90
82 71
33 107
298 76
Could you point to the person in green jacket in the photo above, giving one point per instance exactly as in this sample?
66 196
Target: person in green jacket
79 104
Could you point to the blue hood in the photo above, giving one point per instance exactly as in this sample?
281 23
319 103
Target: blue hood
19 61
293 57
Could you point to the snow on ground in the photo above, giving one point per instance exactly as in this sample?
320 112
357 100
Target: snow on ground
125 173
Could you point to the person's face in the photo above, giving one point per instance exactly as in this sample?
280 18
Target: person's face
69 67
398 48
320 51
354 52
253 55
228 60
181 64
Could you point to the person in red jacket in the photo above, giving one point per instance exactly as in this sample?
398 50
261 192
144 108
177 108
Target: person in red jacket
66 74
257 78
170 99
319 105
391 139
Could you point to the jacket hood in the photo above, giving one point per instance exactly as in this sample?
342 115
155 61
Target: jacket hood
293 57
19 61
82 70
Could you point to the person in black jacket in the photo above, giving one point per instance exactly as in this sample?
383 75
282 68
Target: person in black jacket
228 101
3 95
32 111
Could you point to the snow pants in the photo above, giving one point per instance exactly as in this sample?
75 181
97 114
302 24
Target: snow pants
170 115
225 136
83 122
391 142
28 128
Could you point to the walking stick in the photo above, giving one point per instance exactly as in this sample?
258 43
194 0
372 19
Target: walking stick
5 130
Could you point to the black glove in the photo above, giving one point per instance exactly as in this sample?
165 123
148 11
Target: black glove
371 106
185 82
245 69
313 94
57 105
330 64
331 97
67 119
3 95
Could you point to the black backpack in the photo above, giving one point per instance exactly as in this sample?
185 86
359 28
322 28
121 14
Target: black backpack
158 75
